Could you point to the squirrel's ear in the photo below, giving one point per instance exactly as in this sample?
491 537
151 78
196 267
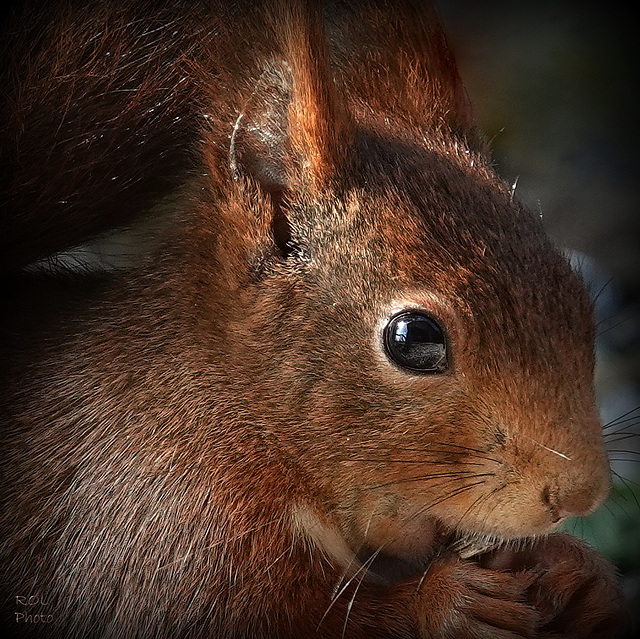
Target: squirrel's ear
400 60
259 146
293 131
293 135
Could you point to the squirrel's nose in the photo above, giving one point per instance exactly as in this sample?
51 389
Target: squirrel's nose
576 496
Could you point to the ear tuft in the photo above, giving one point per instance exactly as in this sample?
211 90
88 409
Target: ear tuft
321 127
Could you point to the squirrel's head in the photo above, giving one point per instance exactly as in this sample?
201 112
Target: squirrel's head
410 340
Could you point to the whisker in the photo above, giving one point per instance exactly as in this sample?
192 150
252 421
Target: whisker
363 568
607 508
630 456
621 505
620 435
457 492
381 460
630 421
625 482
482 453
475 543
611 423
427 507
551 450
405 480
496 504
625 479
624 451
596 296
480 498
367 563
479 453
633 316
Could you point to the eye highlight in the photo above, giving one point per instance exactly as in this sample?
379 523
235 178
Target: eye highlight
416 342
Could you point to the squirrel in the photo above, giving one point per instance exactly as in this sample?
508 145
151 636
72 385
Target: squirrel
340 383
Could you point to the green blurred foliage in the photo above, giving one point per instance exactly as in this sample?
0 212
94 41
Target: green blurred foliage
614 529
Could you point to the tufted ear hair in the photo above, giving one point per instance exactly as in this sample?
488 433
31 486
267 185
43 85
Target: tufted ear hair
293 129
396 57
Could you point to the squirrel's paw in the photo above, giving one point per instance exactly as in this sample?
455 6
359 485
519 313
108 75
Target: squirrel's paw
461 600
575 591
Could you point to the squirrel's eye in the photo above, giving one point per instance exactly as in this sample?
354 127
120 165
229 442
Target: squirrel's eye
416 342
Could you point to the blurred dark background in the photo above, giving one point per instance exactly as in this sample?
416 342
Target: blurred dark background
554 85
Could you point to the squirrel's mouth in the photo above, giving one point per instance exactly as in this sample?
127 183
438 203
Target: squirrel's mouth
390 562
386 568
468 545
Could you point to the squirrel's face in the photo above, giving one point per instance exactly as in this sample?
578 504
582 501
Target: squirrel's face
441 376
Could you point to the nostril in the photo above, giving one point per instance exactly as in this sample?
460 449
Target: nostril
549 500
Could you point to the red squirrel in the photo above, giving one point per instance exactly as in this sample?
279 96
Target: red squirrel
343 387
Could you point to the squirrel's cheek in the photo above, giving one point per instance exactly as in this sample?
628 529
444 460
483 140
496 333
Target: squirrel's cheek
390 521
388 537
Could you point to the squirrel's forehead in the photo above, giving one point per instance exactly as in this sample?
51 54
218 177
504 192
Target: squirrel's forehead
499 268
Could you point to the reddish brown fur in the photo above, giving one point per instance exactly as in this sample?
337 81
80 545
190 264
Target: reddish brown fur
320 126
211 442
